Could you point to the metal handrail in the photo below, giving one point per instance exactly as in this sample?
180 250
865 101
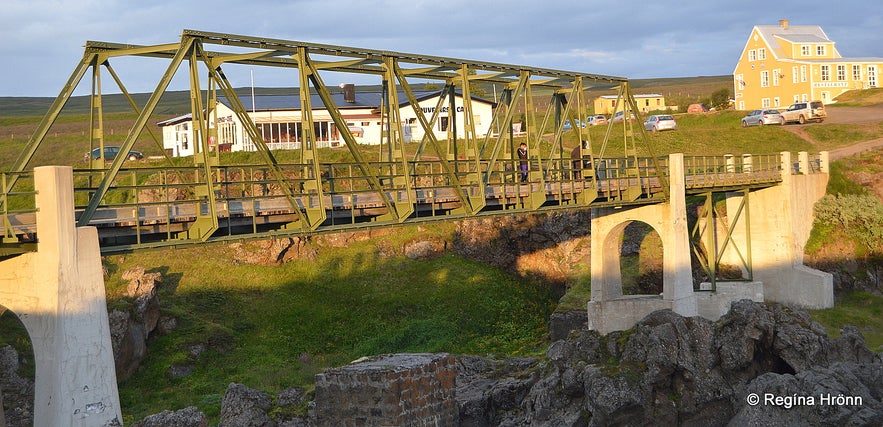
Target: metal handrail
147 199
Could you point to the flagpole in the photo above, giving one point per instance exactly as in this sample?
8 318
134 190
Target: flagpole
252 92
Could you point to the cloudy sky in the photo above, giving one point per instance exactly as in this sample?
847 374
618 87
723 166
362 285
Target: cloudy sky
42 41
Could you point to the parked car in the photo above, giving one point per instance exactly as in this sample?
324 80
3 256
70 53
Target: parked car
618 117
598 119
802 112
568 125
110 153
698 108
660 122
763 117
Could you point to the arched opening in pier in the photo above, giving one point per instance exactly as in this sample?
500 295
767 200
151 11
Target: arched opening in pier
17 371
640 263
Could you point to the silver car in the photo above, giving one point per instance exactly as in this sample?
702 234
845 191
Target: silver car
660 122
763 117
598 119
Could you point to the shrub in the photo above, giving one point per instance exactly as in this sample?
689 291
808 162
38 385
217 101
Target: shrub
859 215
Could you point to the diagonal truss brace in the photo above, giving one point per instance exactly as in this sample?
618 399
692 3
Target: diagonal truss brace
709 249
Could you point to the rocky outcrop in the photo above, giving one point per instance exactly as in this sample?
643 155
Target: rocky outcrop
673 370
245 407
846 393
129 329
187 417
667 370
241 406
271 252
562 322
18 393
547 246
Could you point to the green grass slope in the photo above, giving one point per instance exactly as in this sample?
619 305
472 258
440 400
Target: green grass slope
276 327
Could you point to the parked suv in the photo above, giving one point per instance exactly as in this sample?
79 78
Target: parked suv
802 112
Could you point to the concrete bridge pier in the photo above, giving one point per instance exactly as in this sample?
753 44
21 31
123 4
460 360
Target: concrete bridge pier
609 310
58 293
781 219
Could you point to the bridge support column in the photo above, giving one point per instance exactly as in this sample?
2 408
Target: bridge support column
609 310
780 224
58 293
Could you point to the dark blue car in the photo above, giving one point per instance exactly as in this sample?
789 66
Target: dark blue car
110 153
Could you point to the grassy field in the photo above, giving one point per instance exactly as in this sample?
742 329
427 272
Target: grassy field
276 327
704 134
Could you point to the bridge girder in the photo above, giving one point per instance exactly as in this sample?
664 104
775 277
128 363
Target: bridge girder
468 173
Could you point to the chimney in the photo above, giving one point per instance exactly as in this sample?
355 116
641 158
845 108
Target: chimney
783 23
349 93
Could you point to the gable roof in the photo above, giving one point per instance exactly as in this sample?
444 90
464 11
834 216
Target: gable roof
802 38
793 34
362 100
291 102
175 120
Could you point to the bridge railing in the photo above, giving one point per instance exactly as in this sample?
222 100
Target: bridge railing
145 188
18 210
164 203
732 171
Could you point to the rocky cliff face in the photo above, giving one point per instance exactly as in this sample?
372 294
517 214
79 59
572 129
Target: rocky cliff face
672 370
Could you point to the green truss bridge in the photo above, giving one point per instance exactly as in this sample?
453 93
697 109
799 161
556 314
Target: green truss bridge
57 221
463 176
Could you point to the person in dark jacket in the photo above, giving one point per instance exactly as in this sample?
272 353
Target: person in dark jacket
522 161
579 159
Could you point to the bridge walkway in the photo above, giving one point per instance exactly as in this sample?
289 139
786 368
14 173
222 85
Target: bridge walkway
157 206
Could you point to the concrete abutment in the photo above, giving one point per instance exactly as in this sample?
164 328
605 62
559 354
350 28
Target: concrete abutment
58 293
775 232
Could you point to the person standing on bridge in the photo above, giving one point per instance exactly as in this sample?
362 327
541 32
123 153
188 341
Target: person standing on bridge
522 161
579 160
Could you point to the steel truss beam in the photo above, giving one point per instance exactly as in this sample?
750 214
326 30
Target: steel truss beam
467 174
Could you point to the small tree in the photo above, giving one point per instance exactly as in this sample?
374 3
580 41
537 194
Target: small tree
720 99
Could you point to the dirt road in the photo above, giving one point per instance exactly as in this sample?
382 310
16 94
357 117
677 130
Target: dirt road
847 115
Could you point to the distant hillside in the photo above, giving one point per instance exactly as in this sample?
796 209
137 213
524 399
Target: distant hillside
178 102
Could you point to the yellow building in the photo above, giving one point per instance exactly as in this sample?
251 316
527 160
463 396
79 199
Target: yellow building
783 64
608 104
